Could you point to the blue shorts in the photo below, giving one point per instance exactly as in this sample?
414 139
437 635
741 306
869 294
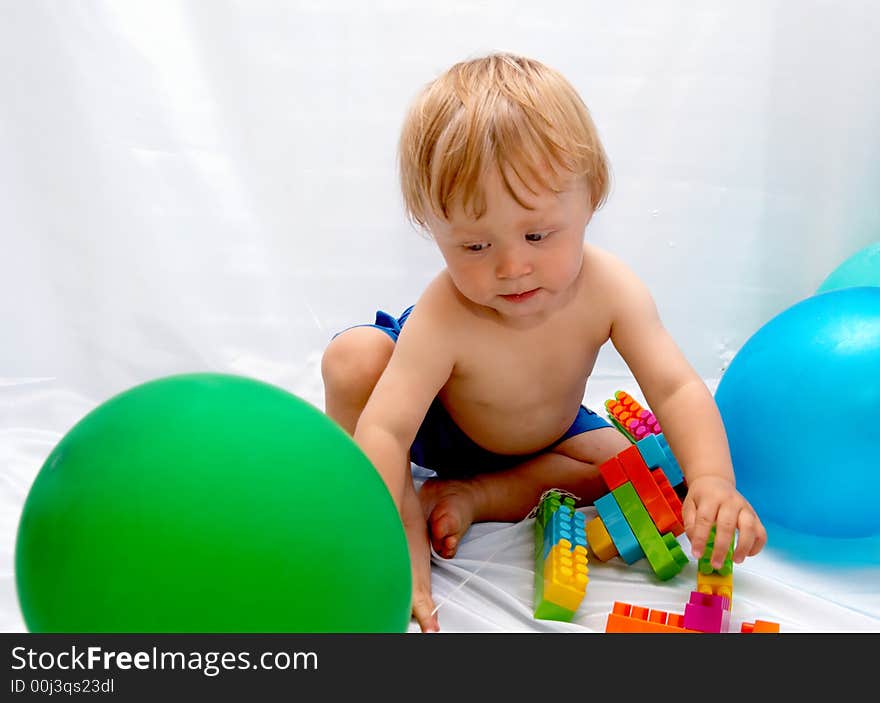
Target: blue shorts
442 446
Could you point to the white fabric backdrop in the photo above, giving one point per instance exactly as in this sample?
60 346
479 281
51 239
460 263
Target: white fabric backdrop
193 186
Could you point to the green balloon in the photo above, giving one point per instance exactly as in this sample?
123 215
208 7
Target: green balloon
210 503
860 269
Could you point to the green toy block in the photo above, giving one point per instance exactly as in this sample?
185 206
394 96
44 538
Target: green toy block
704 563
545 609
665 556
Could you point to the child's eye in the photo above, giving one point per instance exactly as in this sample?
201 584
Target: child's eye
537 236
478 246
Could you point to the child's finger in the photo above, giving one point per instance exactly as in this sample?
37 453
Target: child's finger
700 528
688 519
751 537
760 539
423 611
725 529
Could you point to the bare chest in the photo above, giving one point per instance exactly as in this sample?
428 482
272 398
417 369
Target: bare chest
528 381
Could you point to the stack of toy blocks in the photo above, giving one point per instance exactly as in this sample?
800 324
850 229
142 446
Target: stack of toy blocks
713 581
560 558
628 416
709 606
707 610
641 515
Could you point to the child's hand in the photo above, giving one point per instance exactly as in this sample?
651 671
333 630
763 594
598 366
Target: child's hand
420 560
422 601
712 500
423 607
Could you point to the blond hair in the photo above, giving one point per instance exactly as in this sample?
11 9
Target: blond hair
503 111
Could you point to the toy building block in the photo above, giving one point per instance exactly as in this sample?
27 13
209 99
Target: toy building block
600 541
707 613
657 455
704 563
612 518
760 627
667 517
560 558
664 553
625 617
669 494
655 510
715 584
564 582
564 523
630 417
613 473
715 581
653 488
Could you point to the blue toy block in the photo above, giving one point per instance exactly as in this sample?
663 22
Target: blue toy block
656 453
565 524
618 528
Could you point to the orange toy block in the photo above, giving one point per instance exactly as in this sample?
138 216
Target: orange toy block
625 617
630 417
649 492
760 627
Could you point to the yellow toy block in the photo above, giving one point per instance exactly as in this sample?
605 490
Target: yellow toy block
715 584
599 540
565 575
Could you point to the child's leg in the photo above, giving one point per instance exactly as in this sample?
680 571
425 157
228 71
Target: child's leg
351 365
507 496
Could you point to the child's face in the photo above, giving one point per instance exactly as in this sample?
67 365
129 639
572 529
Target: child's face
518 261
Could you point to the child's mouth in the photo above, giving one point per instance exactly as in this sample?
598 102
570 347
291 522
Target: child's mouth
520 297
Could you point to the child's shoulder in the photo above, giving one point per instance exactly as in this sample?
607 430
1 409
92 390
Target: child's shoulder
605 270
602 263
440 300
443 297
611 286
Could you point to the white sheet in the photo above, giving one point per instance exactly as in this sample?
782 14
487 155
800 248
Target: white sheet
805 584
488 586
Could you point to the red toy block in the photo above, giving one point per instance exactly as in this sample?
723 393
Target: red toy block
613 473
668 492
652 497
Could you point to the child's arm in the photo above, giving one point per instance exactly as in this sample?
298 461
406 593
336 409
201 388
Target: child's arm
691 424
418 369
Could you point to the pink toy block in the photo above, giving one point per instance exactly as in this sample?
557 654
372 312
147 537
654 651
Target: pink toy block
707 613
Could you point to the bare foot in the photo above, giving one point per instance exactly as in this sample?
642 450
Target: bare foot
449 509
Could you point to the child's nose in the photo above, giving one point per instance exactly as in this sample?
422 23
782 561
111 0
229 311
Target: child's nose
514 263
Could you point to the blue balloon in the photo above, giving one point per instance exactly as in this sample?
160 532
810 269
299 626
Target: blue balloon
801 406
860 269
